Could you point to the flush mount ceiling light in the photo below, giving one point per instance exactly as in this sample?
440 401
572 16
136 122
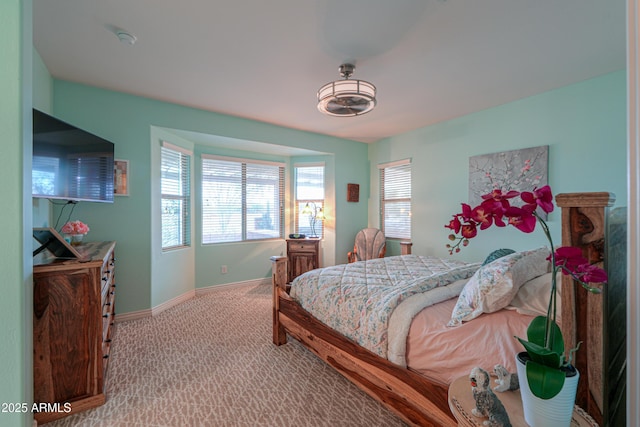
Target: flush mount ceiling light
346 98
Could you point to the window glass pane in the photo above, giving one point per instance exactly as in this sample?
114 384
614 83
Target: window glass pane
397 182
175 187
310 183
397 219
395 201
172 225
172 173
241 201
309 216
263 199
307 223
222 201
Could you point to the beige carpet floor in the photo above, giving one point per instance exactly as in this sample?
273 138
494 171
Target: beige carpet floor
210 362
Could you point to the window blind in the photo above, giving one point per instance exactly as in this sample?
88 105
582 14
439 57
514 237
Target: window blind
395 199
176 198
241 200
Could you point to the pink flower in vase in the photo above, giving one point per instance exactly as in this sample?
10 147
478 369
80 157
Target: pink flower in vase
75 227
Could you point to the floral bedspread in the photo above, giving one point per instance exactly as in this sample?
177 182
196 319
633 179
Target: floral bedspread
358 299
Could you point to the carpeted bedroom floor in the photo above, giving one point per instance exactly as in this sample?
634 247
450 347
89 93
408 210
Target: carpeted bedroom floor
210 362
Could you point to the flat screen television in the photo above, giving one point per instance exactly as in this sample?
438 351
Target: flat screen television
70 163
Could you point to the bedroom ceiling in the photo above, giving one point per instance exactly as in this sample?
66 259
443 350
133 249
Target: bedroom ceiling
431 60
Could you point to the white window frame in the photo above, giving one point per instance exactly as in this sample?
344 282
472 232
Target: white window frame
183 195
317 206
208 235
403 231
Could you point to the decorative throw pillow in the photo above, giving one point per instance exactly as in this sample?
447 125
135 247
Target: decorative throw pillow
494 285
498 253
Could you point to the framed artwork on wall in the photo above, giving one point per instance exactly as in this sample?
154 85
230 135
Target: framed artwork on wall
353 192
121 178
520 170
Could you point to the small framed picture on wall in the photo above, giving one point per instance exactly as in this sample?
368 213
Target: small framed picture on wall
353 192
121 178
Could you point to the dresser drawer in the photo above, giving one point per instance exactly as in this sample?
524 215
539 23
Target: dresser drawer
302 246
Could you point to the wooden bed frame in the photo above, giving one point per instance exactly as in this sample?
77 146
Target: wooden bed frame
416 399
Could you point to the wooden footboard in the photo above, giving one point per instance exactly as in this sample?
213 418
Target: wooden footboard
410 395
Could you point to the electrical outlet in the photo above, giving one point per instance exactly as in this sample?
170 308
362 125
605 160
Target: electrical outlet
223 269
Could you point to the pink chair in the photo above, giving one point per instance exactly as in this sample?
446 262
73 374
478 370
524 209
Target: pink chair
370 243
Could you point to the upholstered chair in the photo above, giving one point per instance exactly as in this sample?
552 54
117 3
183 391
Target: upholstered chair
370 243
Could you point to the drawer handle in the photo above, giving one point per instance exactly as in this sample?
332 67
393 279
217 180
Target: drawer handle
105 315
107 271
109 340
106 356
108 303
104 279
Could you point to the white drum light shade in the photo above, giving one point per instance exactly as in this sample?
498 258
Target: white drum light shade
347 98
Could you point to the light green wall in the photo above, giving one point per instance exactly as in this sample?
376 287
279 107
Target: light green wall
15 216
584 126
133 124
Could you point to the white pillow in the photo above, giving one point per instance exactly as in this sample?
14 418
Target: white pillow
533 297
494 285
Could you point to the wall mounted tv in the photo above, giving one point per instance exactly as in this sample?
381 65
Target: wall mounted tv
69 163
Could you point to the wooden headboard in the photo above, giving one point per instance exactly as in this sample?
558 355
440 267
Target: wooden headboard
596 320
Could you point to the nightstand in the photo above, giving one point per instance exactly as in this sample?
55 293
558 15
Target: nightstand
302 255
461 403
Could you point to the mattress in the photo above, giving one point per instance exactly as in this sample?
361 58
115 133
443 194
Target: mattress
443 353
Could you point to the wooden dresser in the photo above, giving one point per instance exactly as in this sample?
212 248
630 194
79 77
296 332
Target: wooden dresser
302 255
73 317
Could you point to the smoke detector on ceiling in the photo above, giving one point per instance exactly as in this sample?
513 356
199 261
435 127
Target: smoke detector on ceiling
347 98
126 38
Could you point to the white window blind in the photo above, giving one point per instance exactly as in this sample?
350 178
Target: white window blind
241 200
395 199
309 216
176 197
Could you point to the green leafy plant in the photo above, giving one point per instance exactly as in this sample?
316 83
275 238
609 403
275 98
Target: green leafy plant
544 344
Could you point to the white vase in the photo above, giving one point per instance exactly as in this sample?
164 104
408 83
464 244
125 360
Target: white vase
556 411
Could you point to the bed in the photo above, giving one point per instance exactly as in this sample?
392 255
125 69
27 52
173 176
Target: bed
401 352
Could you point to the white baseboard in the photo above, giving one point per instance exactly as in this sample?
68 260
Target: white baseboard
133 315
214 288
150 312
173 302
